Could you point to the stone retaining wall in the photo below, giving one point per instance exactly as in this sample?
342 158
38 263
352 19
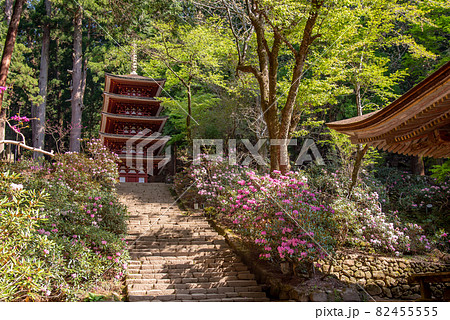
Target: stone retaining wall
382 276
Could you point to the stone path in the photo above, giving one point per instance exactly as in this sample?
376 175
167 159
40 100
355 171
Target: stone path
178 257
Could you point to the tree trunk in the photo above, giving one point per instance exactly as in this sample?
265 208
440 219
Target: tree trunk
77 74
288 110
8 10
188 117
359 156
38 111
6 60
360 152
85 63
59 108
270 117
358 98
417 165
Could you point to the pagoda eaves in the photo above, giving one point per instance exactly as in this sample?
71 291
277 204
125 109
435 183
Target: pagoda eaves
417 123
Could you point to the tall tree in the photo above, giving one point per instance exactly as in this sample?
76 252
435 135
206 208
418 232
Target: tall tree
38 110
6 61
8 10
77 81
279 27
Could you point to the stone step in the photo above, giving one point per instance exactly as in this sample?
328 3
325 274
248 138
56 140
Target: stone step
183 268
194 298
176 242
166 237
202 262
143 246
180 269
187 251
145 274
193 255
175 279
235 285
195 287
179 257
224 257
202 257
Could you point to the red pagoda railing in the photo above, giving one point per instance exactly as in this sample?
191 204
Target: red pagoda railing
131 129
136 91
136 110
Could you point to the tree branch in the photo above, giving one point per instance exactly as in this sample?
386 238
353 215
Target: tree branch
249 69
280 34
22 145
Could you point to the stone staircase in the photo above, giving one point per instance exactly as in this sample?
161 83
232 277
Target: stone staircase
175 257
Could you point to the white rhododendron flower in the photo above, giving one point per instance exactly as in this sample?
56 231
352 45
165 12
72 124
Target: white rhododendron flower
16 186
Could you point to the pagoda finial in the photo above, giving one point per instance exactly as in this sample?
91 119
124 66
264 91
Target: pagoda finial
133 58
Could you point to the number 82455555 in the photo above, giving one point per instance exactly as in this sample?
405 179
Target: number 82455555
418 311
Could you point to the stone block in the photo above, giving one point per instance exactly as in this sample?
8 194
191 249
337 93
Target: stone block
390 281
381 283
225 289
350 295
373 289
412 297
326 268
396 292
359 274
387 292
405 287
344 278
349 262
318 296
378 275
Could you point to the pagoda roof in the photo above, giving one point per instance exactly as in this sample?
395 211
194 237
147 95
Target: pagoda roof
107 97
417 123
107 117
135 118
135 158
133 79
135 138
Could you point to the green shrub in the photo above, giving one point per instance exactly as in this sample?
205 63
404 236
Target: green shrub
26 258
66 236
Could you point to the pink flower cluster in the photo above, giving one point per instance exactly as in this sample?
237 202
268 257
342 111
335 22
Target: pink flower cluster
278 213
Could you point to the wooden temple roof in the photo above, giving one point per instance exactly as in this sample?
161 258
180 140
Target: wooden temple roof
142 159
417 123
135 118
123 137
110 99
112 81
108 120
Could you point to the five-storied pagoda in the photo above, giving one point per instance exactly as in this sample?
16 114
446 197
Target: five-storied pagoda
131 124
